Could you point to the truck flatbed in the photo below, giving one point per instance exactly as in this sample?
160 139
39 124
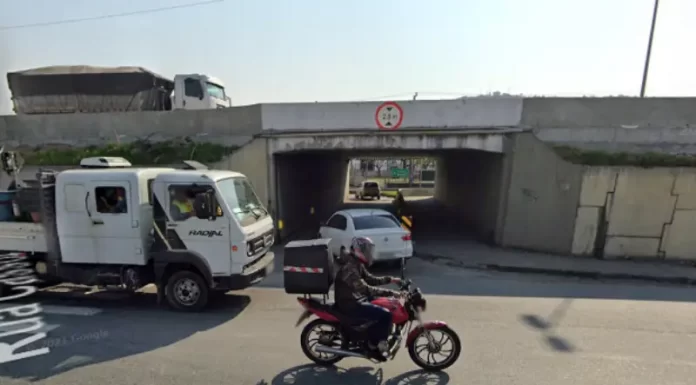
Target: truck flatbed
22 236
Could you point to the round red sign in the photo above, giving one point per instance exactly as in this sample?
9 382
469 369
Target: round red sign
389 116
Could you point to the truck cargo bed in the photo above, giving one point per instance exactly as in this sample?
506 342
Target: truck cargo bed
18 236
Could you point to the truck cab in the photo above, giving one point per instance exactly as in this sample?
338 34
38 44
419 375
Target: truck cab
230 229
186 231
199 92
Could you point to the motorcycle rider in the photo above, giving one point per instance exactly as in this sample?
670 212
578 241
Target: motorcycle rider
354 283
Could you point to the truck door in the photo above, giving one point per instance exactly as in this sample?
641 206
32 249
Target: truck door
210 238
113 216
74 227
191 94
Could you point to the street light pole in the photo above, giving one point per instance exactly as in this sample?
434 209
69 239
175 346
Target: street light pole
647 56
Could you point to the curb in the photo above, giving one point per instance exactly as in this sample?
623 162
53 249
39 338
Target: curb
597 275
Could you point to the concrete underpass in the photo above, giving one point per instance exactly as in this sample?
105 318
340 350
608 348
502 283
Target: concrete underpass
311 182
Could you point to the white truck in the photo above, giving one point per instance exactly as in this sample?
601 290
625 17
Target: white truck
110 224
89 89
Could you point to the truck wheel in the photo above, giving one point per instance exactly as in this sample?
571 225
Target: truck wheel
187 291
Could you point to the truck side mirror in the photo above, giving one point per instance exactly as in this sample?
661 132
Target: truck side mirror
205 205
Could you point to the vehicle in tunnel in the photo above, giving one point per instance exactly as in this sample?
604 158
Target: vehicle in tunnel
393 242
368 189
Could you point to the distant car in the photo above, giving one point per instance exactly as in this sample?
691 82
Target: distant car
368 189
392 242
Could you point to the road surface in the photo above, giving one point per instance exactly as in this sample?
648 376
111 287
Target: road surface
530 330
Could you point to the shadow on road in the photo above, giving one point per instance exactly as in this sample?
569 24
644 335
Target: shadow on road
317 375
546 326
436 279
126 327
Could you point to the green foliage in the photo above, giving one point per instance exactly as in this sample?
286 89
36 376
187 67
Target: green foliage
604 158
140 152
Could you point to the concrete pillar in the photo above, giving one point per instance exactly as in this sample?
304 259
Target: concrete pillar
440 179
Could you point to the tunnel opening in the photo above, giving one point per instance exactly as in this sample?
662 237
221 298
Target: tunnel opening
414 177
464 200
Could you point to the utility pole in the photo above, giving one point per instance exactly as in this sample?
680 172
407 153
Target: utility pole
647 56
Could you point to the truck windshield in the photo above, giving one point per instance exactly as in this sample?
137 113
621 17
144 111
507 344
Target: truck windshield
242 200
215 91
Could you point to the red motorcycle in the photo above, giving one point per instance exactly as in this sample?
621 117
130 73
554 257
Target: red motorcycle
333 336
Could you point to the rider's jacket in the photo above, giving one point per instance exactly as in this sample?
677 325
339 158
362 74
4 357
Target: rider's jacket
354 282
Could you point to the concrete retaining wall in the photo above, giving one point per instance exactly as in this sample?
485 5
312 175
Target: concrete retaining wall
615 124
541 198
634 212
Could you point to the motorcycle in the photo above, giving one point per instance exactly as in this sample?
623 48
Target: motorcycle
339 335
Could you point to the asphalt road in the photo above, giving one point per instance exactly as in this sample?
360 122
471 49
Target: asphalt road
515 329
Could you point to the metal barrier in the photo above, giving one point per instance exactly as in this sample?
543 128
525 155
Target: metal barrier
407 223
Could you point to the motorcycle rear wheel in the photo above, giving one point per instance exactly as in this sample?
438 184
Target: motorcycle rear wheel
414 348
323 359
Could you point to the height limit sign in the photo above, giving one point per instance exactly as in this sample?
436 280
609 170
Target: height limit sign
389 116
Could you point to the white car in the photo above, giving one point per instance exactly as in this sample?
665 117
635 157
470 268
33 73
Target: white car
392 242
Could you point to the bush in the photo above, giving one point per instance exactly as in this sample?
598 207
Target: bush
604 158
138 153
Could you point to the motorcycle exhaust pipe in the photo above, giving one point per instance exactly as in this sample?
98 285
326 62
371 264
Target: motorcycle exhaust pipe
339 352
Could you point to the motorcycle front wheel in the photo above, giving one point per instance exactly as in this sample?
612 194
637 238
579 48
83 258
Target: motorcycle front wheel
320 332
446 346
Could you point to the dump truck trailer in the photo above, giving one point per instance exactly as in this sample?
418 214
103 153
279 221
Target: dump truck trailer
89 89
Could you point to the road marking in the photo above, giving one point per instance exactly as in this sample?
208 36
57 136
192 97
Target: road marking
70 310
46 328
61 310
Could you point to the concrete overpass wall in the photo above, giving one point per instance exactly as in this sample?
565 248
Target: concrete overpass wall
615 124
542 198
422 114
310 186
252 160
657 124
469 186
233 126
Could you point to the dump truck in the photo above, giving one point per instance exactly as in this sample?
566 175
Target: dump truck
109 224
89 89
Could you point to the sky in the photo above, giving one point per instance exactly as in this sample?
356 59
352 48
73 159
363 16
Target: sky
331 50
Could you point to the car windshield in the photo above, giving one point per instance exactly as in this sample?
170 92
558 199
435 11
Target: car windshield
371 185
242 200
215 91
367 222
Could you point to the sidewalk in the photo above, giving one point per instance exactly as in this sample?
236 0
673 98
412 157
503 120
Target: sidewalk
472 255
